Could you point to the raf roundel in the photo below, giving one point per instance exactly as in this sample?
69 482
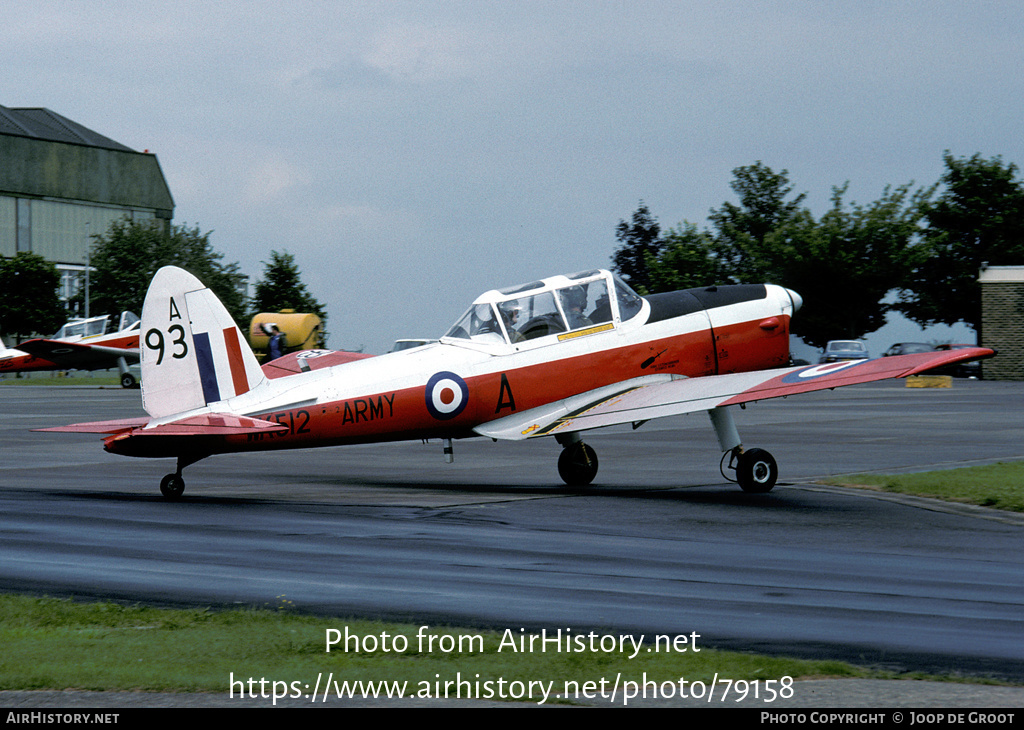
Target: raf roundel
820 371
447 395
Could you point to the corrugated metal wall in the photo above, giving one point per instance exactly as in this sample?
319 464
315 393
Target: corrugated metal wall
8 226
59 231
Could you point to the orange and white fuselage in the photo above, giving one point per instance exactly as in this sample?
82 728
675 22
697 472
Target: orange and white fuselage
449 388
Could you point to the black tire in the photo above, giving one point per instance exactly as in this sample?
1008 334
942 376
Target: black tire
756 471
127 380
577 464
172 486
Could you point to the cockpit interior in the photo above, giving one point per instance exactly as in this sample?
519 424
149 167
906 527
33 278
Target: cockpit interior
555 306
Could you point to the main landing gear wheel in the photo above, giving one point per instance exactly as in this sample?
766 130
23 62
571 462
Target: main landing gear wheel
577 464
756 471
127 380
172 486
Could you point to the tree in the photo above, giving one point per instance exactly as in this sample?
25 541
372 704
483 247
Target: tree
977 219
29 303
687 259
845 264
637 241
743 232
126 257
281 288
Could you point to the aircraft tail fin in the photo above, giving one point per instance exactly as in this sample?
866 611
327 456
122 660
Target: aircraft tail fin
193 353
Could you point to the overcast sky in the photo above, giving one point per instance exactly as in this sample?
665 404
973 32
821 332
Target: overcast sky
414 154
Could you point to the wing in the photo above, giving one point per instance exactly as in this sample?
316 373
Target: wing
75 356
657 396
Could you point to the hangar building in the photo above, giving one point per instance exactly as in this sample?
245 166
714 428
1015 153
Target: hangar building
61 183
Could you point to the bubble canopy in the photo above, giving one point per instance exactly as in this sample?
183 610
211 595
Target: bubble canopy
549 307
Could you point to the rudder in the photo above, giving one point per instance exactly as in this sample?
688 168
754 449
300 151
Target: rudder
193 354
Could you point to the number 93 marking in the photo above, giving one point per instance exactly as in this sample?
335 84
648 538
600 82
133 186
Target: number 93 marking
155 341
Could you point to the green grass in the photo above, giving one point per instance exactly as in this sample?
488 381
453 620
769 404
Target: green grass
997 485
51 643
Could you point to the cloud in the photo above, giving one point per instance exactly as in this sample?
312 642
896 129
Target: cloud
423 54
270 179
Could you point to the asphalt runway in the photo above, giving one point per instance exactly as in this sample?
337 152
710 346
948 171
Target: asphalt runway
660 545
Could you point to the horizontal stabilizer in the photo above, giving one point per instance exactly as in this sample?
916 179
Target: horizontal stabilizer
121 424
212 424
207 424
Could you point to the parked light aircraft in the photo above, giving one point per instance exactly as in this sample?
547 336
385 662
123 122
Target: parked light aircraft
81 344
550 358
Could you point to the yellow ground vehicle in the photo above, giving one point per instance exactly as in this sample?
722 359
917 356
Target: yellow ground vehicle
302 331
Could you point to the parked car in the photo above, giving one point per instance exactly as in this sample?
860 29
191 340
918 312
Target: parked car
907 348
971 369
836 350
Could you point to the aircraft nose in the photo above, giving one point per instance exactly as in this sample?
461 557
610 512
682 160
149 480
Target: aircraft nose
796 299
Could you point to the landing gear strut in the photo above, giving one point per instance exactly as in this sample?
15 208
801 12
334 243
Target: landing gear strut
172 486
756 470
127 379
577 464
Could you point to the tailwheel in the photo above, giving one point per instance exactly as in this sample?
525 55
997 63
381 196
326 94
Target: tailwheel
756 471
577 464
172 486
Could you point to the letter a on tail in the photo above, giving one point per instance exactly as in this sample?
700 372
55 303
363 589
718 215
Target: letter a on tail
193 354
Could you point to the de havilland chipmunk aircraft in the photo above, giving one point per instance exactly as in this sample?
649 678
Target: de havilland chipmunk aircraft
81 344
550 358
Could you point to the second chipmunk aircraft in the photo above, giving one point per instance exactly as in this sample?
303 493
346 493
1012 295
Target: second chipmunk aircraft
81 344
549 358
